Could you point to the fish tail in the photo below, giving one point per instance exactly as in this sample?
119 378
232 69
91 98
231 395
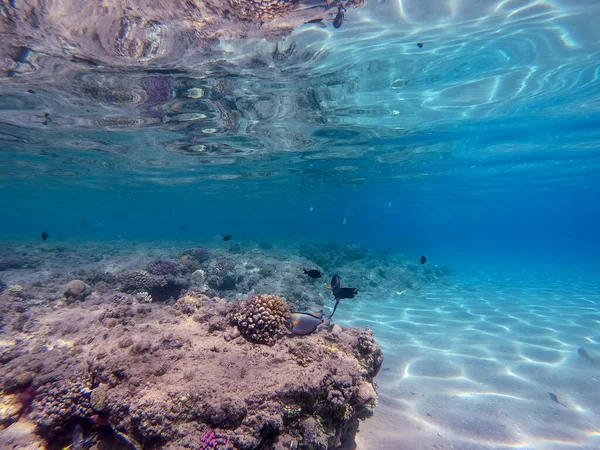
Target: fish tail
337 302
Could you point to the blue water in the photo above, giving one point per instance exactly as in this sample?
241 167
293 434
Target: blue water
481 149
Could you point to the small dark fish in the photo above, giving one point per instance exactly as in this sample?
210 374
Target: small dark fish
555 399
31 91
44 235
83 222
584 354
181 228
47 119
420 44
314 21
339 17
227 237
345 292
423 260
313 273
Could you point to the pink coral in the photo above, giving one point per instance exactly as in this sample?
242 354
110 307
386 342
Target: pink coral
210 441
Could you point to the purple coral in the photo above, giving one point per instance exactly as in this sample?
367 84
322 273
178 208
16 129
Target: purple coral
210 441
200 254
163 267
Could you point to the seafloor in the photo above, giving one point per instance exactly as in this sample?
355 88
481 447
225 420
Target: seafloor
137 346
143 351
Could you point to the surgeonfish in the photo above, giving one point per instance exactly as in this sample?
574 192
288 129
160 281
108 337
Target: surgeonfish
302 323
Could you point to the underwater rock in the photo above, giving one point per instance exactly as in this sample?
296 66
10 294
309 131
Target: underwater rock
76 290
180 385
98 399
261 318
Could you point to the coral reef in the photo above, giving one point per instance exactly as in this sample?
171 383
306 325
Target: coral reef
200 254
160 288
164 267
164 376
190 263
261 318
222 275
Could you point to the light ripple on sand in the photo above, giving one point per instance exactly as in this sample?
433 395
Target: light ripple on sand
474 373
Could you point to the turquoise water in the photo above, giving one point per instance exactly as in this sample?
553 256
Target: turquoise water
480 149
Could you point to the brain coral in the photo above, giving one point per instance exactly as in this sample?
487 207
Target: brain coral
261 318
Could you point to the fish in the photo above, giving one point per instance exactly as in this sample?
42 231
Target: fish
231 273
555 399
584 354
83 222
44 235
420 44
340 292
302 323
423 260
227 237
339 17
46 119
335 282
313 273
345 292
181 228
344 221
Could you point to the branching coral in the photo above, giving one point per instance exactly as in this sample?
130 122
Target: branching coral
261 318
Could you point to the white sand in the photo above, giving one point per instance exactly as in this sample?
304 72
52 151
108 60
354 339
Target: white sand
472 367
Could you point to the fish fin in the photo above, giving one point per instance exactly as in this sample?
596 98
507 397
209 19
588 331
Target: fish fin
337 302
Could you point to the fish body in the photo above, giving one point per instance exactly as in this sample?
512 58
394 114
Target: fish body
584 354
420 44
227 237
313 273
44 235
335 283
303 324
339 17
345 292
423 260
